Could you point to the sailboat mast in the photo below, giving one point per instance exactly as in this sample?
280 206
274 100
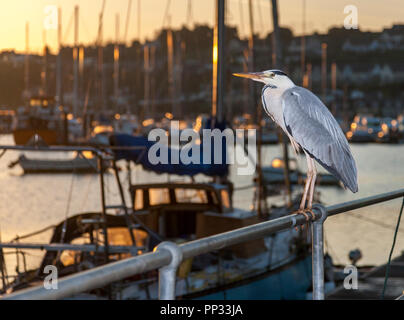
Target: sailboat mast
100 63
138 19
170 66
76 63
26 63
153 80
324 70
189 14
116 62
44 75
251 38
218 62
334 87
277 60
258 114
303 44
146 67
179 48
59 74
124 41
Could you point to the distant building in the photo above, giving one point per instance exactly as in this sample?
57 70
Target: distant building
312 44
364 72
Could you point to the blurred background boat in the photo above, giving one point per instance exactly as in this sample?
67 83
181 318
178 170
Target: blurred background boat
275 174
6 120
80 163
372 129
43 118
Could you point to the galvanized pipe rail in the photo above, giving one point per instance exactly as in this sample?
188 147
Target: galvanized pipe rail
100 152
168 256
70 247
97 151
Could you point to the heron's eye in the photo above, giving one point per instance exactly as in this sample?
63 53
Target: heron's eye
272 75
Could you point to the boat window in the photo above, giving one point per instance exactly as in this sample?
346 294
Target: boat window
191 196
117 236
139 199
224 194
69 257
159 196
215 198
120 237
141 238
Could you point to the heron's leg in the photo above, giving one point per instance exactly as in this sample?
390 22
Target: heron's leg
311 189
306 189
308 182
313 184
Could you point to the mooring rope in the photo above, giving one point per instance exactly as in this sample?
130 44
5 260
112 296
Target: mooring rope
392 249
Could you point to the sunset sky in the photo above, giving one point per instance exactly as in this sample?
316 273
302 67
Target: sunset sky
320 15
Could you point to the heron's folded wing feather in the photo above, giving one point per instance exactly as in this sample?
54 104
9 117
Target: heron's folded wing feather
313 126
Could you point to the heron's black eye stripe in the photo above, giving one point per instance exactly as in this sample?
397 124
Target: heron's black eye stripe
281 73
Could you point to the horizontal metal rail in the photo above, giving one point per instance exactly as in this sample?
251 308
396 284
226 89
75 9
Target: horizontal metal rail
99 151
71 247
167 256
53 148
364 202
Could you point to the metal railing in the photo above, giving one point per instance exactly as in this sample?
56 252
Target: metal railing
168 256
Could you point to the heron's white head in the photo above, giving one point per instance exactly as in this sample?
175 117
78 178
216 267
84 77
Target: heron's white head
274 78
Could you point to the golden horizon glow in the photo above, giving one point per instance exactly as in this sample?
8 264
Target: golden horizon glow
116 53
320 16
215 53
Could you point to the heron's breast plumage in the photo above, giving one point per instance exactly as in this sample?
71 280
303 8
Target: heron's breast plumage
272 103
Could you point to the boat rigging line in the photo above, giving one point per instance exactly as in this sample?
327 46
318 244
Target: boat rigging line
374 221
69 200
125 36
166 15
69 26
392 249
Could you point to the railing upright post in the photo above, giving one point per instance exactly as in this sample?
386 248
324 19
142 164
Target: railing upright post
318 252
168 273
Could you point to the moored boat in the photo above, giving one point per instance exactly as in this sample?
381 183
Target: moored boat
41 118
78 164
275 174
176 212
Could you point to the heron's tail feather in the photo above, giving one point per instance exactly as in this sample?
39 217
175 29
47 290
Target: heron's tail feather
342 167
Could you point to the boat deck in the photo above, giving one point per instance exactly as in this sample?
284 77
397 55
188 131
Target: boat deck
371 285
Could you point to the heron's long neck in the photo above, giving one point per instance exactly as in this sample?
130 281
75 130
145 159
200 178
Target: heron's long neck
287 84
278 91
280 87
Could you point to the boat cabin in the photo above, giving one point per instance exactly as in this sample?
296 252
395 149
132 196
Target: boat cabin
171 209
187 211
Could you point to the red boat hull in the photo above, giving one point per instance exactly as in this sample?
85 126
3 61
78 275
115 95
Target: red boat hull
22 136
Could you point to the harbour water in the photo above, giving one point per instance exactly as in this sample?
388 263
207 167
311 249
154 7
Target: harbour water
32 202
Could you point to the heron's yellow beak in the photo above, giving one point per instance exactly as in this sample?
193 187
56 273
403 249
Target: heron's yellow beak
251 75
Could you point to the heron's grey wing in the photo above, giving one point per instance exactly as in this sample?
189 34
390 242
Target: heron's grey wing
313 126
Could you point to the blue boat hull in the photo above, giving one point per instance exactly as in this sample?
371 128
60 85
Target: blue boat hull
289 283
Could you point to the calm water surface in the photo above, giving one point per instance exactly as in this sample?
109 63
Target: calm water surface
31 202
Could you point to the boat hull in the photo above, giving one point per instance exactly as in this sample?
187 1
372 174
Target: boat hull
23 136
277 176
75 165
289 282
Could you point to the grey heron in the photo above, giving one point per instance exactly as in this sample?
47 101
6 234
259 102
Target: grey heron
310 127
